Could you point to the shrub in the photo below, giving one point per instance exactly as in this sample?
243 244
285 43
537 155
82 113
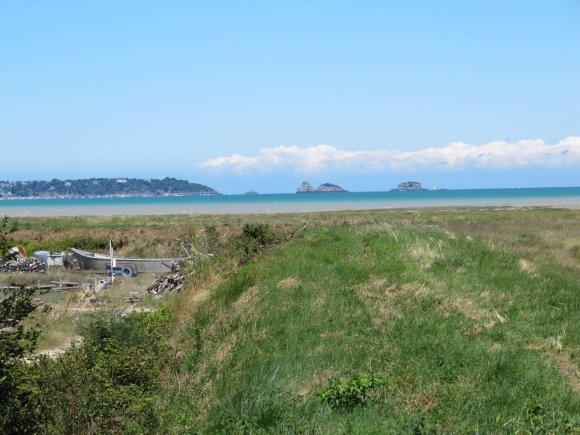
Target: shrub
254 238
261 233
17 410
5 230
345 394
108 384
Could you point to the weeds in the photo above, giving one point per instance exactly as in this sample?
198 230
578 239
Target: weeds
345 394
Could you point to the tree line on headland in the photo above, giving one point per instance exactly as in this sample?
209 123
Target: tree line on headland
102 187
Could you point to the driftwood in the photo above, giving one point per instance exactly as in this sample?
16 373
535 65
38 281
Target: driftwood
133 298
54 286
92 292
170 282
23 265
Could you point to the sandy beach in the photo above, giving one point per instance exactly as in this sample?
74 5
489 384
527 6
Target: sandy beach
232 205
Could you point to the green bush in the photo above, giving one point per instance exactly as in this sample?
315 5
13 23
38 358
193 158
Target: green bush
261 233
254 238
5 230
345 394
107 384
17 411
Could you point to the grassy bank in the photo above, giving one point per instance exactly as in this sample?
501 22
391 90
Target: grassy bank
430 321
384 327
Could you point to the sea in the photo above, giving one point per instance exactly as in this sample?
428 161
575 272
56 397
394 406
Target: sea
561 197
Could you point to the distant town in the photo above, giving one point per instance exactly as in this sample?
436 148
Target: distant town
101 187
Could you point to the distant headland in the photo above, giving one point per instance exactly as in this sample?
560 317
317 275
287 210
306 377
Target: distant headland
94 187
306 187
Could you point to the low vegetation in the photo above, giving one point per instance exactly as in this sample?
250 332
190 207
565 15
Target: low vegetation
370 322
383 328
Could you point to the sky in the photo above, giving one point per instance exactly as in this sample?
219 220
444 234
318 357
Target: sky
263 95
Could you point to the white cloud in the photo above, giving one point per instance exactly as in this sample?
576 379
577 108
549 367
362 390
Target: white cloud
456 155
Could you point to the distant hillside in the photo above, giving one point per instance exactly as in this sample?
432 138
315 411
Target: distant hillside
102 187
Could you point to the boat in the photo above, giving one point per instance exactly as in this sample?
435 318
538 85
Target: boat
50 258
121 265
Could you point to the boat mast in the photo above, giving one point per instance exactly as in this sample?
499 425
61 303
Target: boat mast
112 261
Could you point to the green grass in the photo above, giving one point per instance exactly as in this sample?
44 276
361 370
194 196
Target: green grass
403 321
549 232
466 337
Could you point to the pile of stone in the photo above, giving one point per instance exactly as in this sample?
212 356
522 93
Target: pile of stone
23 265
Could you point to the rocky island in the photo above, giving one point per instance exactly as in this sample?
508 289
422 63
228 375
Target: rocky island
306 187
408 186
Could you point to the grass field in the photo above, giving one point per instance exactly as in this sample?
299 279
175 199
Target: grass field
463 335
430 321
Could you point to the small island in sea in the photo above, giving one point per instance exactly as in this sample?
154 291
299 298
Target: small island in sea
408 186
306 187
94 187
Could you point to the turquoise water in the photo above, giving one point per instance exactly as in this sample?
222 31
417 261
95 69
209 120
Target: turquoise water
277 203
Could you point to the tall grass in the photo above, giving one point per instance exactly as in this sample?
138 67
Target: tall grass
429 321
461 332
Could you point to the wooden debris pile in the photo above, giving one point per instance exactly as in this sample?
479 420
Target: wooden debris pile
170 282
32 264
55 286
133 298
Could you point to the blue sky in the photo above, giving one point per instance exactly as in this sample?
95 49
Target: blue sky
266 94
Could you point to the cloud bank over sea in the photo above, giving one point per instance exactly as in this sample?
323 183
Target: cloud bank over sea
454 156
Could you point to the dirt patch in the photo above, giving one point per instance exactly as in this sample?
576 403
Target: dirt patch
402 292
464 306
245 309
569 371
316 382
378 299
476 329
334 334
384 313
319 305
369 289
484 319
425 254
224 352
567 368
527 267
55 352
247 300
289 283
424 401
190 299
378 282
411 289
